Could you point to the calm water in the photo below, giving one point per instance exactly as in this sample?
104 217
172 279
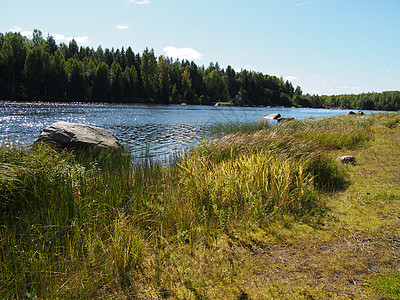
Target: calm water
161 129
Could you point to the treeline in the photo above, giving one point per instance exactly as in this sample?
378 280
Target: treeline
373 101
39 69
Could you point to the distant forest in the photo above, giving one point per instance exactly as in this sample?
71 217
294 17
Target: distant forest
39 69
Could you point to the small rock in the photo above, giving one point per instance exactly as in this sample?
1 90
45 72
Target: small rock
351 113
346 159
273 116
359 113
73 135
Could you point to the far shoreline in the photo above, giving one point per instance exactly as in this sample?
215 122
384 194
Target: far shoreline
216 104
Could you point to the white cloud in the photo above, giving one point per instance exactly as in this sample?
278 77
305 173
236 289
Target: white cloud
138 2
59 38
303 3
81 39
22 32
290 78
122 27
182 53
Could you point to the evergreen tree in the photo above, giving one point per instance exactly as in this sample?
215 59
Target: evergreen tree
101 87
33 72
187 94
13 51
196 75
7 75
216 88
58 76
99 54
51 46
233 85
108 57
37 38
176 80
117 81
148 69
130 57
131 83
76 80
164 79
72 49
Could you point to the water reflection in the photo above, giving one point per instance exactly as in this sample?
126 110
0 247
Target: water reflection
158 139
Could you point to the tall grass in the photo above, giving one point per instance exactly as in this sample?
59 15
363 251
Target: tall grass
53 211
389 120
97 223
338 132
247 185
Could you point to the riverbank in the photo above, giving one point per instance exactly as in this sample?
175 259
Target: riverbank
252 215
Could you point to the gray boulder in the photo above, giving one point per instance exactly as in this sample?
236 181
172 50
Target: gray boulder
273 116
351 113
346 159
73 135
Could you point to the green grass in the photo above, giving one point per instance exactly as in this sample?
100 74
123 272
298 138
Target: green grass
389 120
387 285
338 132
99 224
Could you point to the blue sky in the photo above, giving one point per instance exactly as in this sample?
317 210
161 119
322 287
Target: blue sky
324 46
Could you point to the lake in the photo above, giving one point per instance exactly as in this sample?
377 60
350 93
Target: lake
158 130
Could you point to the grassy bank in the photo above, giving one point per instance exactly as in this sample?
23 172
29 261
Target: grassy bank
265 214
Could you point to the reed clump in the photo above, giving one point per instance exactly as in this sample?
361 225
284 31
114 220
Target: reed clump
98 223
